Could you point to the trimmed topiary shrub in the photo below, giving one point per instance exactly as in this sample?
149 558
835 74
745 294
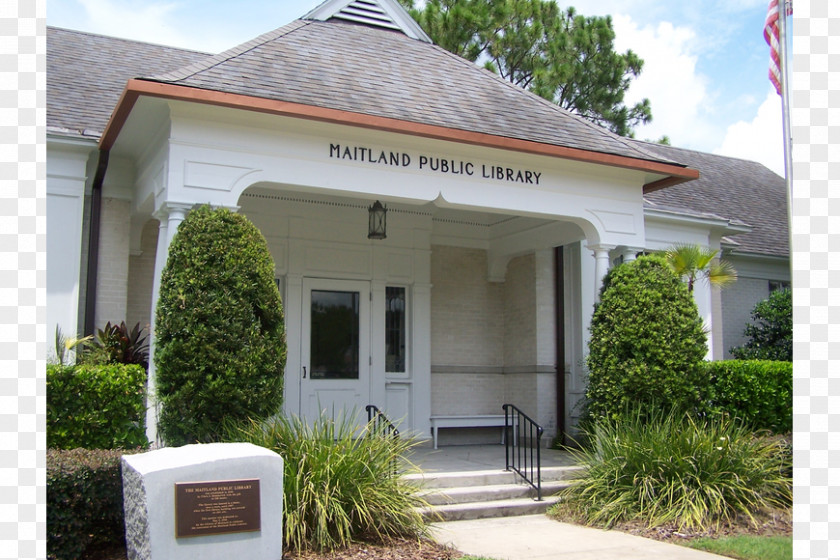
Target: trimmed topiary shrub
758 392
96 406
220 348
647 341
84 501
771 334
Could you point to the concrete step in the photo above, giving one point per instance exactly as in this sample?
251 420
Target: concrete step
473 494
481 510
430 480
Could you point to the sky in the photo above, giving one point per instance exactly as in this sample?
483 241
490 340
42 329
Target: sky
705 63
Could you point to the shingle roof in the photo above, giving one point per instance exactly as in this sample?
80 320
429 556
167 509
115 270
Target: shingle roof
361 69
733 188
86 74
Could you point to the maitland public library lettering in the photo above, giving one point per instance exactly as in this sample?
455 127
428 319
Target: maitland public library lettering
437 164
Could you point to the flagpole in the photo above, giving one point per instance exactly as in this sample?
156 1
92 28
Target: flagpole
783 70
783 56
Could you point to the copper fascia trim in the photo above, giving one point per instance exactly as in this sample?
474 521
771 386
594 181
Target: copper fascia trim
667 182
136 87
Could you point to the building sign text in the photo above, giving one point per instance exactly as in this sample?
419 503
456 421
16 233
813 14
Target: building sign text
449 166
215 508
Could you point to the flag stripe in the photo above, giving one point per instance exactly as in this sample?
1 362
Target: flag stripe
771 35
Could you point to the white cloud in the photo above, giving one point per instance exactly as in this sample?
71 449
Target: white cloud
761 139
678 93
148 21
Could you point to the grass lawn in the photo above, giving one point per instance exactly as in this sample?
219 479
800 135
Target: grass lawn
748 547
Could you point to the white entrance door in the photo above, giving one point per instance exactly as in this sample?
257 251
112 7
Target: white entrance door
335 347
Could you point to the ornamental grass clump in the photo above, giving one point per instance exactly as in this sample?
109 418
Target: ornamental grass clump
675 469
339 484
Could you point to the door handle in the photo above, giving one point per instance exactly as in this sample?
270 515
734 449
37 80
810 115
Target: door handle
304 372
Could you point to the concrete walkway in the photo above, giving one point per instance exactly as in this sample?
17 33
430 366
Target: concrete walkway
536 537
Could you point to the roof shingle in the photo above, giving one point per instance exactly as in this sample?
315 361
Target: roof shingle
86 74
733 188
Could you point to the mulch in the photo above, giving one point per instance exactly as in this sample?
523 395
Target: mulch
394 550
772 522
768 523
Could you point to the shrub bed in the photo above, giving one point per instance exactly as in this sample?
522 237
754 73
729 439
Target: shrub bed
84 501
759 392
339 486
671 468
96 406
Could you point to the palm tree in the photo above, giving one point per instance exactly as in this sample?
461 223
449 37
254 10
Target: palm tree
692 261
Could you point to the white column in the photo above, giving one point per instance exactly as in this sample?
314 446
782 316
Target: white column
421 358
65 204
293 313
629 254
170 216
377 345
602 265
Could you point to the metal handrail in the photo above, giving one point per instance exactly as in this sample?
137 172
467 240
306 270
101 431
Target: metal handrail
378 424
522 442
381 424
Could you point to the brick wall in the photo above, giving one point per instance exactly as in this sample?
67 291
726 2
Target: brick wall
141 270
112 273
520 312
459 392
467 311
535 394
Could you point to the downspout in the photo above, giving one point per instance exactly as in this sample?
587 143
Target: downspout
93 241
560 343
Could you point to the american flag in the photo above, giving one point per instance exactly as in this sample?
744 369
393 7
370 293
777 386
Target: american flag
771 35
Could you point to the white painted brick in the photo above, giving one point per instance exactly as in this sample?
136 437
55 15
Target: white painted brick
112 274
467 311
141 278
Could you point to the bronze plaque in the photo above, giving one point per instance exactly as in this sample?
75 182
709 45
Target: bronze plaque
216 508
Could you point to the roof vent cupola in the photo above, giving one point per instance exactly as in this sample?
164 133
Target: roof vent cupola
387 14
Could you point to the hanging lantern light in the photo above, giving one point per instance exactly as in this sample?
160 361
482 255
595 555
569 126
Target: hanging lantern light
376 221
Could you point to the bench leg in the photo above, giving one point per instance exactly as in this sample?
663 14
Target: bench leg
435 434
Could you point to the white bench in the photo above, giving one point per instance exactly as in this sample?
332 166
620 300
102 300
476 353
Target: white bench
470 421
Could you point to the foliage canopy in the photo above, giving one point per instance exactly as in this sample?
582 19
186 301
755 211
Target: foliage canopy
221 347
561 56
693 262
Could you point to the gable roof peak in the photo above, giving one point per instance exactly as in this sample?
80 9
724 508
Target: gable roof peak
388 14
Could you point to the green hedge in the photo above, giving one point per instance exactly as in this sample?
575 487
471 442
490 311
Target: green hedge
84 501
759 392
96 406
